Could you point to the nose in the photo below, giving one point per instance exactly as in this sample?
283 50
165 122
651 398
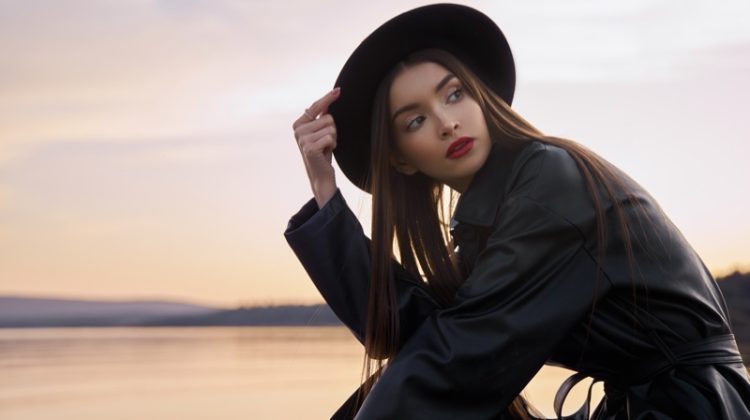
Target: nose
448 127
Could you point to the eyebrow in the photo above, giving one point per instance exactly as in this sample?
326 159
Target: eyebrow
439 86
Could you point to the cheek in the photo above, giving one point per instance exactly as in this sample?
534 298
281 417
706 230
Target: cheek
416 144
417 149
474 114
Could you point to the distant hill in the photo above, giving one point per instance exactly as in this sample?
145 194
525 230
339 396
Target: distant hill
736 290
35 312
18 311
286 315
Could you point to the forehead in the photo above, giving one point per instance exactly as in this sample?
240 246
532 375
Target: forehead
415 82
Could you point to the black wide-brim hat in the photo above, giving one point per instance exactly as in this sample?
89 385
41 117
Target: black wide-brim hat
467 33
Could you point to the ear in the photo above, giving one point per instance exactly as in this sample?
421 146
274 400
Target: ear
402 166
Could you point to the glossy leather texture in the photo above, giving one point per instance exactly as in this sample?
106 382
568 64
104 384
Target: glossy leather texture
656 332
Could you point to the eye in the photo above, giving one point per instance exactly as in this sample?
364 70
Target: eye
410 124
457 94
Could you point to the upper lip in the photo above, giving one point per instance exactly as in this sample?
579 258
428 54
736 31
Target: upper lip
455 144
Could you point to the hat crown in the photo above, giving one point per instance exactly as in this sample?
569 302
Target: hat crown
465 32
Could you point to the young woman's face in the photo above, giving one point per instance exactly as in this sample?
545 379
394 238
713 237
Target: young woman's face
439 129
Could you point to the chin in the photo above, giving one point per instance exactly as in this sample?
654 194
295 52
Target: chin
478 158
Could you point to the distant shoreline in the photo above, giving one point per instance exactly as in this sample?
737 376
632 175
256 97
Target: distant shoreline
23 312
27 312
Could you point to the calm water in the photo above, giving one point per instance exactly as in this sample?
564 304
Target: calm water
191 373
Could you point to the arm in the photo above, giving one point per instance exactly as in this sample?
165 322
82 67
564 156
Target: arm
330 244
531 284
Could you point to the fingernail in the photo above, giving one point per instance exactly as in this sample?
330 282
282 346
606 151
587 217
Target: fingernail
336 90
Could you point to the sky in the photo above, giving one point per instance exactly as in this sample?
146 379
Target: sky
147 150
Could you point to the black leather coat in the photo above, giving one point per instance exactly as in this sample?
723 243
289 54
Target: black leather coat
657 333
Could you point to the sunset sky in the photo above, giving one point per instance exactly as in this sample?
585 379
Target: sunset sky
146 148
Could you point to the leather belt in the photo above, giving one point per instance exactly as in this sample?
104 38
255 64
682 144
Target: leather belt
720 349
715 350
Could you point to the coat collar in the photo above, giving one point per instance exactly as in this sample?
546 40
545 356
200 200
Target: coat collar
479 203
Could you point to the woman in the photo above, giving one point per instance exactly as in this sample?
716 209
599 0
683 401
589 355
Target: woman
553 255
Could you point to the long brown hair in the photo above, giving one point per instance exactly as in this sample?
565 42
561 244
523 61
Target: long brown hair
409 210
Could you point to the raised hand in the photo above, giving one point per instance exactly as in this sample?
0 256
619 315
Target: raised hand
315 132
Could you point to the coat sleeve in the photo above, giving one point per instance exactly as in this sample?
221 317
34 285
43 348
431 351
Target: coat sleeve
333 249
530 285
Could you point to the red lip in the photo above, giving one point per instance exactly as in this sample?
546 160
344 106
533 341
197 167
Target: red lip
459 147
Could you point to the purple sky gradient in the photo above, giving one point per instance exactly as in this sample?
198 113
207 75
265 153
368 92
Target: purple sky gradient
146 147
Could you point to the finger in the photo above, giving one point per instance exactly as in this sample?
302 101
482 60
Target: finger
306 117
311 138
329 140
327 143
323 144
321 105
307 127
303 119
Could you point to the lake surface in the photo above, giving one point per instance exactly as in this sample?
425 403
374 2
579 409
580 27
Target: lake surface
193 373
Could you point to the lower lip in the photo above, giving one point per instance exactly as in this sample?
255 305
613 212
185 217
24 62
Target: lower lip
462 151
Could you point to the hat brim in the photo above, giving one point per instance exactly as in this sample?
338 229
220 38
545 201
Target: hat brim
463 31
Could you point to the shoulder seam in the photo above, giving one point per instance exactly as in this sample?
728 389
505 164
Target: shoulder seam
519 166
556 214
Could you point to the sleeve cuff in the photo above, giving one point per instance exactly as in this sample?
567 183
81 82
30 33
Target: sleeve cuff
309 219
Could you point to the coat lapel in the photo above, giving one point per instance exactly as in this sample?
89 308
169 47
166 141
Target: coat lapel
478 206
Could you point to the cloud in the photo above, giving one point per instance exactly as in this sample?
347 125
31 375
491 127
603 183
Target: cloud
120 71
168 123
580 41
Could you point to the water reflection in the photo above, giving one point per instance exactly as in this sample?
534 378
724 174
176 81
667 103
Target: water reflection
192 373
